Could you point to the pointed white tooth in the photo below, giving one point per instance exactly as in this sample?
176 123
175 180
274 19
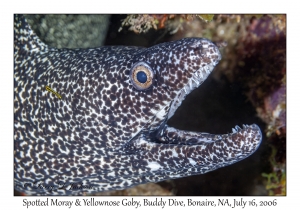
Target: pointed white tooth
191 85
237 127
188 89
195 80
233 130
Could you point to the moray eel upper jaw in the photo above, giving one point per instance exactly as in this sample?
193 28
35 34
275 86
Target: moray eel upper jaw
178 68
204 56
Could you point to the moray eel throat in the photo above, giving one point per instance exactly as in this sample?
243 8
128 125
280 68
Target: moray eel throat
90 120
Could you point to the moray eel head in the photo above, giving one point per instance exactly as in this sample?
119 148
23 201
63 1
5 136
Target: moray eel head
90 120
170 72
177 68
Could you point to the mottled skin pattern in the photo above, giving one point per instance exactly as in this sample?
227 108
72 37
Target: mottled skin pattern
105 134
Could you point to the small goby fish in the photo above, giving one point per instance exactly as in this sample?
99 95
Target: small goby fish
108 129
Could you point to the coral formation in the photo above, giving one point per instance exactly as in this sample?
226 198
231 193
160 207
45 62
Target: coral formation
263 55
143 23
139 23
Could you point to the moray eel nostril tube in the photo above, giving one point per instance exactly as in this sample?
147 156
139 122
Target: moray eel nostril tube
98 117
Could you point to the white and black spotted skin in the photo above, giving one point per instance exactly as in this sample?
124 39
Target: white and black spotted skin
105 132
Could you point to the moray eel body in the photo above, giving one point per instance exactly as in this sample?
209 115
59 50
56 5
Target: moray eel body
90 120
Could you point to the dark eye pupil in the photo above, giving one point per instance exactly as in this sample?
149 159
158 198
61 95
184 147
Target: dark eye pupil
141 77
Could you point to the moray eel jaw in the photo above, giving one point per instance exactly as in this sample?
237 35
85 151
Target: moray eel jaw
197 78
178 68
164 152
90 120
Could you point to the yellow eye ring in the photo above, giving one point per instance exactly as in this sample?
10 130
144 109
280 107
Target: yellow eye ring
141 76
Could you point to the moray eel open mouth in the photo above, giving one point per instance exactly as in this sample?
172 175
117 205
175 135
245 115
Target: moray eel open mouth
177 153
90 120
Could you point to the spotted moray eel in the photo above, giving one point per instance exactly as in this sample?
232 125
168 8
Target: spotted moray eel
90 120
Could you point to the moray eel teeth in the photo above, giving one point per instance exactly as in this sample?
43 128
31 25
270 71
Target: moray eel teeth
106 127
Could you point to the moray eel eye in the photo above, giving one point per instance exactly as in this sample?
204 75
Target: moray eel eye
141 76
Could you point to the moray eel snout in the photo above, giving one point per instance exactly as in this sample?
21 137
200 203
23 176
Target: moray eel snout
90 120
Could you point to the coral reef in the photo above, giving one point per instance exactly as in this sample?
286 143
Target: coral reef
139 23
263 55
143 23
